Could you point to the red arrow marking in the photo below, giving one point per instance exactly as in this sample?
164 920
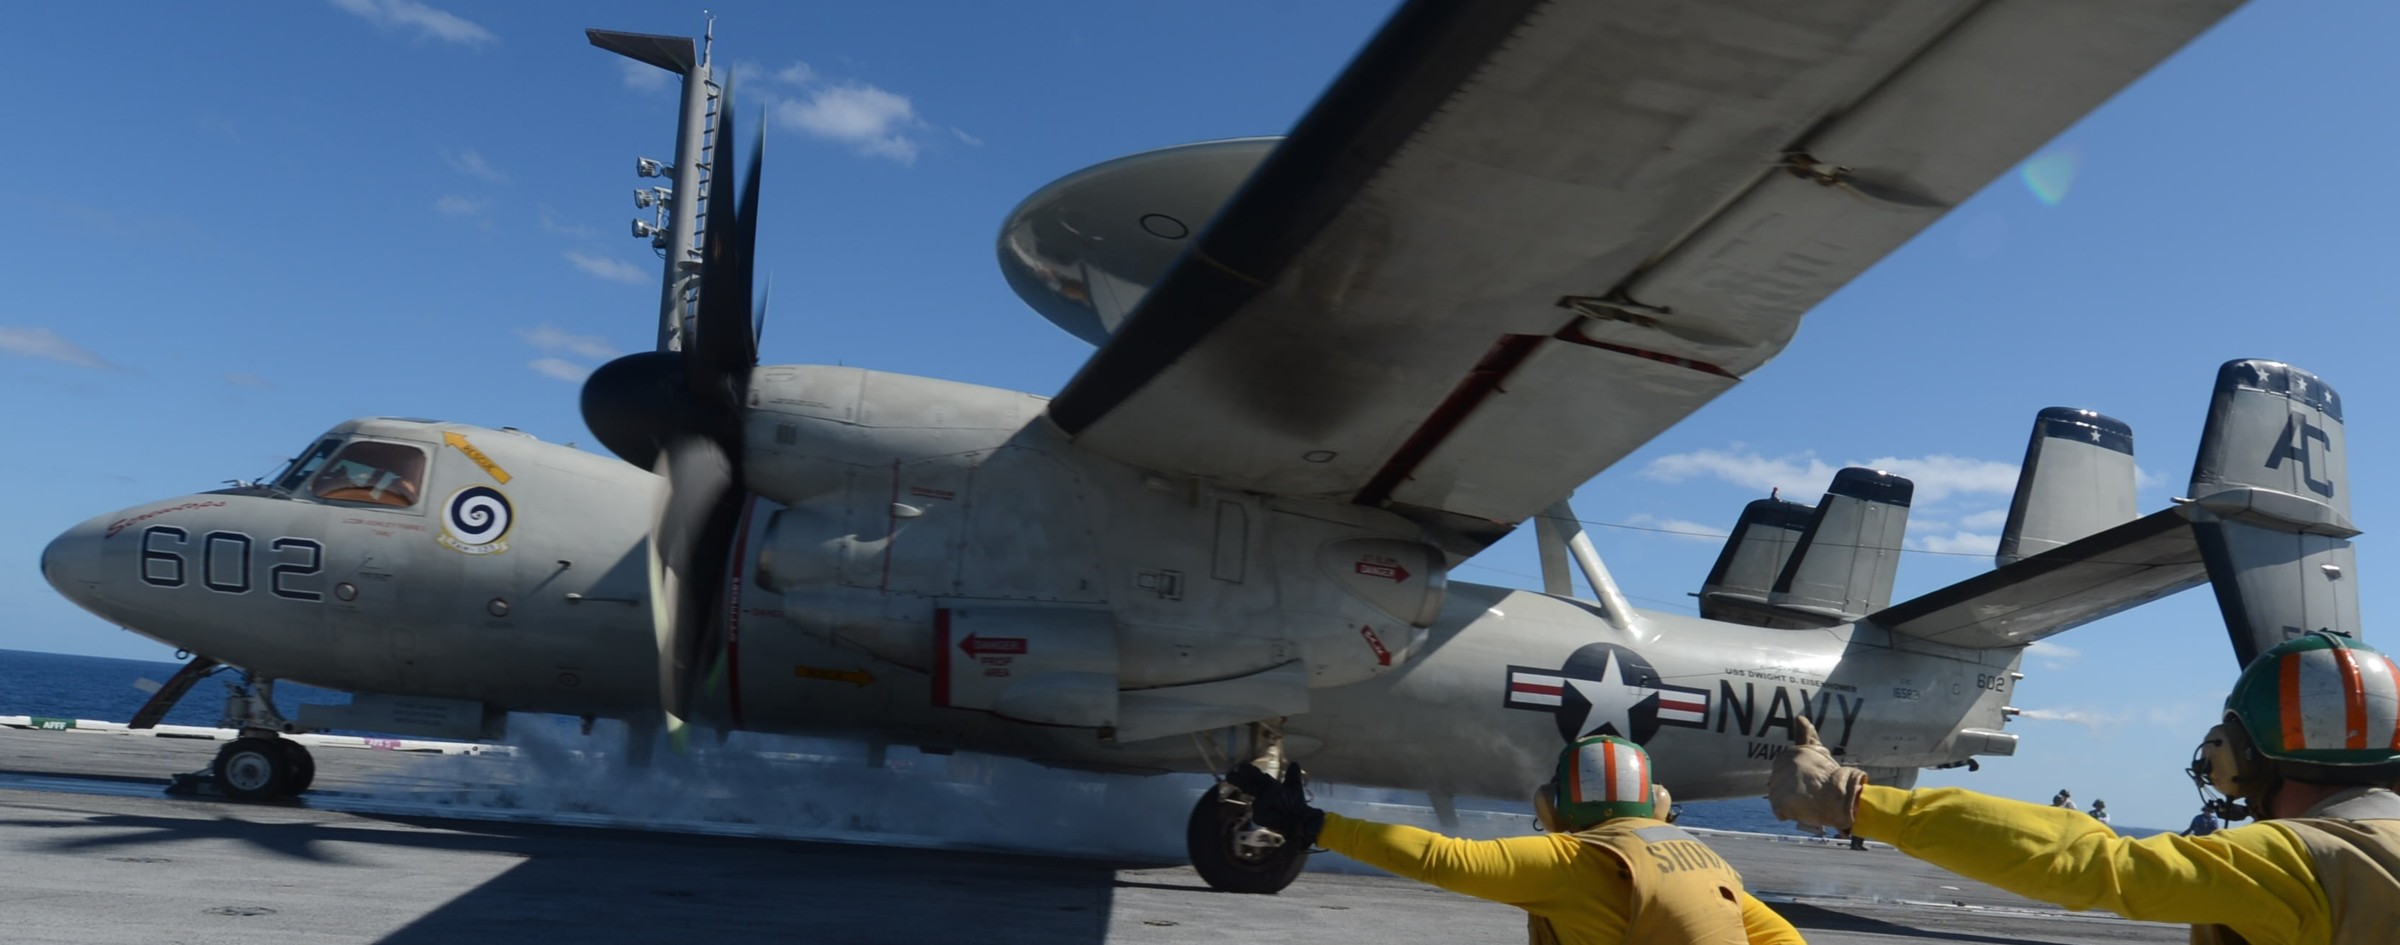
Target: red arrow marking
1394 571
1383 657
979 646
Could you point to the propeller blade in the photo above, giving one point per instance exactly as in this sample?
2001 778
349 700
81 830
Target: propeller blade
694 522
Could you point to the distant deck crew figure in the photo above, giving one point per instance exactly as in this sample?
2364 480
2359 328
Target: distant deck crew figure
2100 810
2063 799
1609 869
2204 823
2309 742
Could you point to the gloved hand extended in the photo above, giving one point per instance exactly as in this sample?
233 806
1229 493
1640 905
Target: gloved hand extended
1809 787
1280 805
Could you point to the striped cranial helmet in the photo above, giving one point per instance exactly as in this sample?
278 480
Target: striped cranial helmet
2324 707
1602 777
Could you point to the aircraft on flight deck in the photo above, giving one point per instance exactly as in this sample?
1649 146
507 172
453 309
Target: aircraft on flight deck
1511 243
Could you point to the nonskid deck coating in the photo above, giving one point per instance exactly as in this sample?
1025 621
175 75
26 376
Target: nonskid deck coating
404 848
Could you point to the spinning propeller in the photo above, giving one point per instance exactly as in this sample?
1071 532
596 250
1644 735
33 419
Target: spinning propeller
679 413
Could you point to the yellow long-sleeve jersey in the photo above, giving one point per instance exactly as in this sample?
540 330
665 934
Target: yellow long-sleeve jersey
2257 880
1585 893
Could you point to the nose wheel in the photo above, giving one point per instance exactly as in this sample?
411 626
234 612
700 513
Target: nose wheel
256 768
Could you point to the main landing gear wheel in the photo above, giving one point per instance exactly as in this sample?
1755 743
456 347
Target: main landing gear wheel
304 766
1228 852
257 769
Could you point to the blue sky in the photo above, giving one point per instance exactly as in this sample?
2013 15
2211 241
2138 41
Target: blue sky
238 225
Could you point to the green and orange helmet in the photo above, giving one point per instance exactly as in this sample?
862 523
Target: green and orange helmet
2325 707
1602 777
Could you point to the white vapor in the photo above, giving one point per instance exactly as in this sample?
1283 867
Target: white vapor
2084 717
560 368
1937 477
47 345
425 21
2052 655
613 270
872 121
551 339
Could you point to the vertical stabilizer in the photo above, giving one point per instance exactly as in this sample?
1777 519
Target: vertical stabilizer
2078 479
2272 480
1738 586
1845 562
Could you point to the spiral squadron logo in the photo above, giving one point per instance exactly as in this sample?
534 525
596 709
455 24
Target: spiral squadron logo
476 521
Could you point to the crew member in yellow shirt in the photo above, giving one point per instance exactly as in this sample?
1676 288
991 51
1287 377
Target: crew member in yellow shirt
1610 870
2309 741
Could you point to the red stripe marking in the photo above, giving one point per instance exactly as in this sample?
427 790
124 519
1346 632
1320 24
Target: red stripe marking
941 656
1608 765
1570 335
1482 382
733 614
1537 689
2295 735
2354 700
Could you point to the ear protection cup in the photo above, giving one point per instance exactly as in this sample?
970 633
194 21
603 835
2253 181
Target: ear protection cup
1545 807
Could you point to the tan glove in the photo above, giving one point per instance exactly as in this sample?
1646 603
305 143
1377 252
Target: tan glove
1809 787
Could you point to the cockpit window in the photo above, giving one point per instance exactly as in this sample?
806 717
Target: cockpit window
368 471
305 465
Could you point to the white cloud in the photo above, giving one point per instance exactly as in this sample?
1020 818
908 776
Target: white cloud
1679 528
551 224
969 139
1988 519
561 369
551 339
471 163
613 270
1937 477
644 77
47 345
2052 655
453 205
872 121
252 381
1959 543
798 73
425 21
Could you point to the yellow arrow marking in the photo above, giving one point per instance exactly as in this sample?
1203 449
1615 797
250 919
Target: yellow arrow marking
855 677
472 453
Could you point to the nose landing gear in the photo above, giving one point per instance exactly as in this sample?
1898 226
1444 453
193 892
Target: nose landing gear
261 764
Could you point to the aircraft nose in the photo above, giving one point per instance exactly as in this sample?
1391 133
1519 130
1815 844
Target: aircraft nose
71 562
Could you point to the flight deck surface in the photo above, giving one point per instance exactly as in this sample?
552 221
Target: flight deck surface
393 847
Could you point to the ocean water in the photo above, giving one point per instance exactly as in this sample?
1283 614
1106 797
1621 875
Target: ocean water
91 687
96 687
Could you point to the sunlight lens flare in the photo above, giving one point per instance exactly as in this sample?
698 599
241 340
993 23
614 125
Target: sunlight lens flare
2051 174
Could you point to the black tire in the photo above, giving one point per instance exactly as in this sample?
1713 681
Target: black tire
1209 835
303 766
253 769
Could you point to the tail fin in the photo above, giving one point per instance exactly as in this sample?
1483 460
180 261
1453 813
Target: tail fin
1844 564
2272 480
1738 586
2077 480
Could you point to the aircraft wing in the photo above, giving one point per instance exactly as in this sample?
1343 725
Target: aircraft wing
1516 240
2059 589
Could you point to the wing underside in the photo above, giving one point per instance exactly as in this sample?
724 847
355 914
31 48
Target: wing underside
1515 241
